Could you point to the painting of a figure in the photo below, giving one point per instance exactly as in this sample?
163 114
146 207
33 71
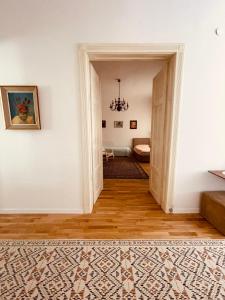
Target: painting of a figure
20 105
21 108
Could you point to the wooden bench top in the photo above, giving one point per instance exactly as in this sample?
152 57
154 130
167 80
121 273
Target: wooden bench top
218 173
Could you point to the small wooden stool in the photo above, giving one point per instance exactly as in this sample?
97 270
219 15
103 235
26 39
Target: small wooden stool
212 208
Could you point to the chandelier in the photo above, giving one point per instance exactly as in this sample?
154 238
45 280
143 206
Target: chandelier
118 104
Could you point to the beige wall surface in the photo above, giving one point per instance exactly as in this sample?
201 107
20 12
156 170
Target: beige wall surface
41 170
136 87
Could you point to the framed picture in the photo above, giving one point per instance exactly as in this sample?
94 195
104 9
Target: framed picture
118 124
133 124
103 123
20 107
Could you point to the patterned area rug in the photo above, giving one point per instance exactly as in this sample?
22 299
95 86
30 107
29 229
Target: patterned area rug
112 269
123 167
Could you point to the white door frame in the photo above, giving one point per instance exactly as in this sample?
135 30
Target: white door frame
109 52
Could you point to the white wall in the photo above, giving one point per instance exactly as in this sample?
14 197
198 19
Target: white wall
38 45
136 87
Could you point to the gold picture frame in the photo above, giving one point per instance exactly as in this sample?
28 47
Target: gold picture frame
20 107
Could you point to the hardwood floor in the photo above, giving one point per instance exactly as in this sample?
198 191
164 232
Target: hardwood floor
124 210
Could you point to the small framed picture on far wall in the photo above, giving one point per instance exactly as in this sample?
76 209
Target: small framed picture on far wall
133 124
103 123
118 124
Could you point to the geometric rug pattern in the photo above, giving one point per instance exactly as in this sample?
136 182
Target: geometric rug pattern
123 167
112 269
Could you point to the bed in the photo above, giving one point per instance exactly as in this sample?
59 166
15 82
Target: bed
141 149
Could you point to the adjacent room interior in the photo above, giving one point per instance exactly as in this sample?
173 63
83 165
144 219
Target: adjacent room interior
126 130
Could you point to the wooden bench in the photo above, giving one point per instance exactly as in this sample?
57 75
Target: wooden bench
212 208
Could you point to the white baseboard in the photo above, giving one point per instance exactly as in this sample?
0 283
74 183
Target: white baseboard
41 211
194 210
79 211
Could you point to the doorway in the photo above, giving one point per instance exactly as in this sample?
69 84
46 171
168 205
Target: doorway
162 182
